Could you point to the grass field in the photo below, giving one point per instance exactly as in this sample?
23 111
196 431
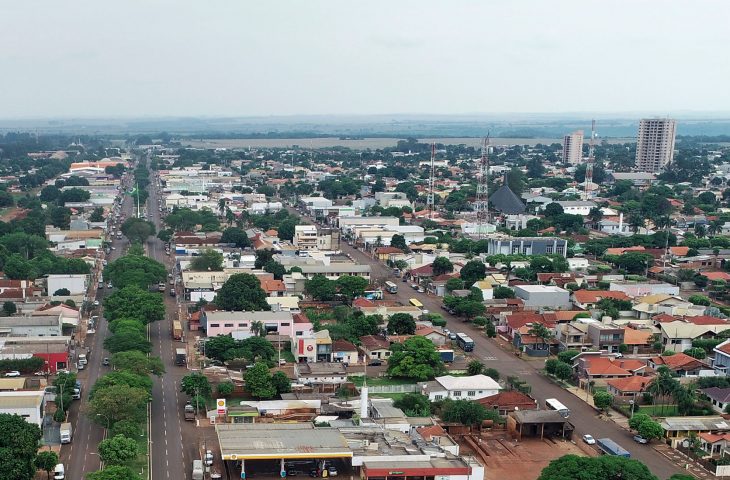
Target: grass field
375 381
394 396
657 410
139 465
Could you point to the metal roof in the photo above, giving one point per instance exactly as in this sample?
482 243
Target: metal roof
260 441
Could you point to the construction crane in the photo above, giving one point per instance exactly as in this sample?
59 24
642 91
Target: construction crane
481 205
589 164
430 199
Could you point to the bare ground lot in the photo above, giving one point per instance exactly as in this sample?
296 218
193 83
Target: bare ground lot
509 460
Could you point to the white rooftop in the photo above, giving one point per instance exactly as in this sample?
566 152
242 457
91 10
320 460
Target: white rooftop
475 382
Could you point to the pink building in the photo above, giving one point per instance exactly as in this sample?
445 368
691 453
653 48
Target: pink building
239 324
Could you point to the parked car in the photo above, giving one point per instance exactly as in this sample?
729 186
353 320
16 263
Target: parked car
208 458
589 439
12 373
414 286
105 362
374 363
331 471
640 439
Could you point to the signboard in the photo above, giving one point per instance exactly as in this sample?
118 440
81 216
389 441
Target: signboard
221 405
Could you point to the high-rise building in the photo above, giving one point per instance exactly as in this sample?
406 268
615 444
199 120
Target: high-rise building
655 145
573 148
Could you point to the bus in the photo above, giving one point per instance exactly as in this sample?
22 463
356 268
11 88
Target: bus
464 342
554 404
391 287
415 303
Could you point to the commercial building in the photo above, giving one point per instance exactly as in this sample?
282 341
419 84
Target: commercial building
305 237
460 388
655 144
527 246
543 296
573 148
28 404
239 324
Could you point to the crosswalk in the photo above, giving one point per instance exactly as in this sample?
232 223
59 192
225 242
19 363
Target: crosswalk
489 358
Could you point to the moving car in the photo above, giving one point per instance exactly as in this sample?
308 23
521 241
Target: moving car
640 439
589 439
12 373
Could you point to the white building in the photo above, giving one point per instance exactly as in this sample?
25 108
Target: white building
538 296
76 284
577 207
573 148
655 145
264 207
27 404
305 237
460 388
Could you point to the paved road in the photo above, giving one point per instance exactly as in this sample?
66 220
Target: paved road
80 456
583 416
173 441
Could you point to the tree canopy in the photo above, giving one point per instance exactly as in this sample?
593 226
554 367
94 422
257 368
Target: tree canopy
137 230
607 467
242 292
401 324
415 358
18 447
135 270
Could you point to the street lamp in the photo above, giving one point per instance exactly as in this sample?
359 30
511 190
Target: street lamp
632 403
108 421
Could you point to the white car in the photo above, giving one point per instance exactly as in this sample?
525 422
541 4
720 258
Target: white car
12 373
589 439
209 458
96 303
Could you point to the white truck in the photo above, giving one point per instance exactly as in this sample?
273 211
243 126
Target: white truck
66 433
82 359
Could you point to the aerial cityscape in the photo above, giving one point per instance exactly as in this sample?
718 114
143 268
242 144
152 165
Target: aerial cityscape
378 241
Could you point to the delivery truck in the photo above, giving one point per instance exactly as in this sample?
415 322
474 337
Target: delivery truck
189 412
66 433
177 331
180 356
609 447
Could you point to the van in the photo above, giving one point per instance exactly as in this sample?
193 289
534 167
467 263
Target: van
198 471
59 473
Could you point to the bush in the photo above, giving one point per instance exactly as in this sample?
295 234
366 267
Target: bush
492 373
126 428
438 322
551 365
23 365
480 321
567 356
563 371
225 388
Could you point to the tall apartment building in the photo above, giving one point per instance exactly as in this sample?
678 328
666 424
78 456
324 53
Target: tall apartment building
655 145
573 148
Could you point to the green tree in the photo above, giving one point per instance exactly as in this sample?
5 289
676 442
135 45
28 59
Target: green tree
286 229
166 235
650 430
551 365
563 371
454 284
225 389
351 286
399 241
441 266
118 402
125 341
114 472
235 236
475 367
9 308
242 292
138 363
46 460
415 358
699 300
195 384
464 412
607 467
123 378
275 268
258 381
473 271
698 353
135 270
281 382
134 303
320 287
503 292
414 405
637 419
137 230
602 400
208 261
97 215
401 324
492 373
117 450
18 447
567 356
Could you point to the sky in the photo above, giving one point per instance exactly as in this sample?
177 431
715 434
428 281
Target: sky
137 58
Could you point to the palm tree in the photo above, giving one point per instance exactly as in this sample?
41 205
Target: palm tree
540 331
595 215
257 328
222 205
636 221
700 230
714 227
507 268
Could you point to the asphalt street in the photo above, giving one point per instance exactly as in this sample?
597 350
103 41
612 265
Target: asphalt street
582 416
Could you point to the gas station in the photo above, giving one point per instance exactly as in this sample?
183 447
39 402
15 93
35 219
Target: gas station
265 443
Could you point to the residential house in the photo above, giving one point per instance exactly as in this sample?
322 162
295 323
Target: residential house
681 364
532 345
460 388
573 336
375 347
438 337
587 299
604 337
322 376
715 444
345 352
650 305
638 341
719 397
509 401
678 429
599 368
628 387
721 362
386 253
677 336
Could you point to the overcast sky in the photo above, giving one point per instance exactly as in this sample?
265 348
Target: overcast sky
239 58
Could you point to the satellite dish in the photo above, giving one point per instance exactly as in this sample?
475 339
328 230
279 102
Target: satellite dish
685 443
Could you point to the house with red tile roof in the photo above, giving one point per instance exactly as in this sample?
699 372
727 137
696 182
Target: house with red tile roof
375 347
599 368
345 352
622 250
273 288
680 364
515 320
509 401
436 336
712 276
628 387
587 299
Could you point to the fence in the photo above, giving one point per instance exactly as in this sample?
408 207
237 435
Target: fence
410 388
716 470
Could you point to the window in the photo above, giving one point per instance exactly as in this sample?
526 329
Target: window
438 397
230 325
299 333
457 393
471 393
284 324
215 325
242 325
549 249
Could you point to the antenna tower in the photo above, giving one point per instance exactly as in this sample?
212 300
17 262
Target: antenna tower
590 162
430 200
481 205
